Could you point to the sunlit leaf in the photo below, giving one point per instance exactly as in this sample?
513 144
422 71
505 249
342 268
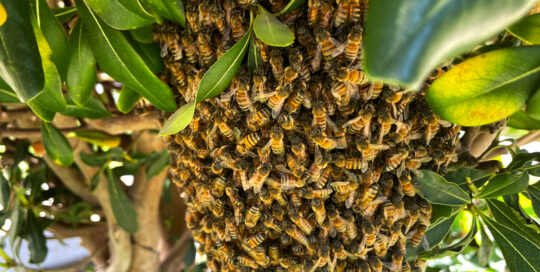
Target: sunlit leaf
54 34
521 120
453 249
254 57
523 160
436 232
504 184
436 189
520 253
36 239
127 99
3 14
512 219
81 76
488 87
406 39
214 81
270 30
7 95
20 61
533 105
143 34
116 57
97 137
93 109
40 111
57 146
527 29
121 14
123 209
170 9
290 6
149 53
535 199
64 14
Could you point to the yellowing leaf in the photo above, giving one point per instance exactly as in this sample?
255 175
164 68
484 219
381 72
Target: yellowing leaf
527 29
488 87
3 15
97 137
270 30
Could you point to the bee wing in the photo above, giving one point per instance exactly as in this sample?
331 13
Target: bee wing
283 168
444 123
277 109
350 200
340 47
352 121
262 97
331 124
353 90
316 61
165 49
391 266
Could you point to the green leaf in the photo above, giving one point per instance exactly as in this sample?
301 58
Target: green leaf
94 182
436 189
441 212
404 40
97 160
51 96
254 57
64 14
121 14
117 58
520 253
270 30
527 29
459 177
81 76
127 99
453 249
511 218
56 145
157 163
214 81
17 220
523 160
122 207
178 120
533 105
170 9
290 6
484 253
521 120
93 109
504 184
143 34
436 232
5 192
54 34
535 199
42 112
97 137
36 239
191 253
486 88
7 95
150 54
20 61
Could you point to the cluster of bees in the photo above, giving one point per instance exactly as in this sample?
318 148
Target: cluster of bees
301 164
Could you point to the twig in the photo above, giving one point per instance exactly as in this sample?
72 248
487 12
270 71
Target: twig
30 132
529 138
176 254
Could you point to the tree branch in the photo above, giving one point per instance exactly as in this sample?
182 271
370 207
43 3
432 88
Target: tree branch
122 123
529 138
176 255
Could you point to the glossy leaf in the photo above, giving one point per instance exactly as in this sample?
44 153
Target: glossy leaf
81 76
54 34
143 34
406 39
4 191
523 160
123 209
127 99
94 181
97 160
437 190
20 61
521 120
290 6
56 145
170 9
534 194
527 29
455 248
97 137
7 95
178 120
254 57
459 177
533 105
520 253
64 14
511 218
51 96
118 59
150 54
488 87
504 184
93 109
121 14
270 30
441 212
436 232
42 112
214 81
36 239
484 253
157 163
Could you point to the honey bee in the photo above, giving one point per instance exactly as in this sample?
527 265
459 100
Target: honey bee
289 74
319 116
395 160
190 48
258 178
369 151
351 163
321 194
218 18
432 127
247 262
325 142
242 96
287 122
303 72
206 52
252 217
192 18
265 197
339 250
251 140
237 28
405 266
313 11
318 165
352 232
304 36
259 119
268 222
295 101
302 223
407 186
263 50
289 181
296 234
342 13
318 208
416 237
414 214
327 44
339 223
276 62
375 264
277 100
374 90
276 136
388 210
356 11
219 186
362 122
255 240
224 128
326 11
324 255
298 149
273 252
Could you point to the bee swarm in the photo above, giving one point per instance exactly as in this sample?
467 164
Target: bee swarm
301 165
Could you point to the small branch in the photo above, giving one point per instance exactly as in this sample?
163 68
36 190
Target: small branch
28 133
62 232
122 123
524 140
176 254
